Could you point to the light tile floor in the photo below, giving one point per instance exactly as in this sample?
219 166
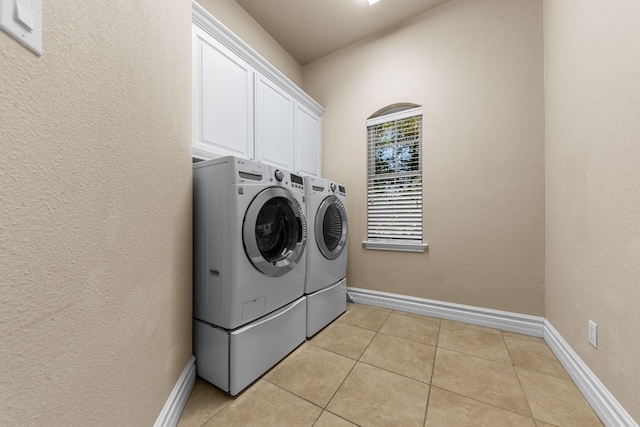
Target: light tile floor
378 367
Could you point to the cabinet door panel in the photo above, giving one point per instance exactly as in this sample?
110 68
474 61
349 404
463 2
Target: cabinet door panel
274 124
223 99
308 139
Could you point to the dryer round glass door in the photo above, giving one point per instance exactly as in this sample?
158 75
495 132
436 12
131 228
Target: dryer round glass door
274 231
331 227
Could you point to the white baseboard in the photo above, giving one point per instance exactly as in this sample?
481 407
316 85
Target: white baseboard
178 398
601 400
611 413
496 319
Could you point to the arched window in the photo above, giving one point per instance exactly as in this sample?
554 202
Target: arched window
394 200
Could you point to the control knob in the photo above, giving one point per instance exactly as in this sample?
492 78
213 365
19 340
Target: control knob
279 175
333 187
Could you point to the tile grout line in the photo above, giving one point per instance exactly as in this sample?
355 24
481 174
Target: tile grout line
394 373
264 377
486 403
474 399
233 399
300 397
230 401
424 419
433 371
426 409
407 339
353 367
513 366
566 378
309 341
374 337
477 357
333 413
340 386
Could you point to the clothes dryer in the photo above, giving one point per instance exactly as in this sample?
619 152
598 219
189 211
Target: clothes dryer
326 269
250 237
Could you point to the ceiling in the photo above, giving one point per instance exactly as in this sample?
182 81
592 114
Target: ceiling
311 29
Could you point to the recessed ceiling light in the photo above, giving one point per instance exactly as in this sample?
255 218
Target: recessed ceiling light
371 2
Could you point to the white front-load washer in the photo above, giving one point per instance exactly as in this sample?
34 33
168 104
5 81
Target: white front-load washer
326 268
250 235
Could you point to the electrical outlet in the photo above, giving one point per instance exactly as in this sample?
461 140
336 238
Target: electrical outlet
593 334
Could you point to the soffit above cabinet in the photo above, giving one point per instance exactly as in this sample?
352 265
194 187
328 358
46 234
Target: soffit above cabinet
311 29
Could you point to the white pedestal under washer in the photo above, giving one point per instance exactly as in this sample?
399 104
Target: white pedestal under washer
326 268
250 234
232 360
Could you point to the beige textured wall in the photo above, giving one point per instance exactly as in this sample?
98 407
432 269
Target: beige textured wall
592 86
95 214
476 68
244 26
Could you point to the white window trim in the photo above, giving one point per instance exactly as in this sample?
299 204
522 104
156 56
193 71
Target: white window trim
394 116
381 245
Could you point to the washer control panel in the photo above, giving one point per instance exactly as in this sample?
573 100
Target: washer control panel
297 182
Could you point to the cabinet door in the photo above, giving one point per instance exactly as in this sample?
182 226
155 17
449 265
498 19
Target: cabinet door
308 141
274 124
222 100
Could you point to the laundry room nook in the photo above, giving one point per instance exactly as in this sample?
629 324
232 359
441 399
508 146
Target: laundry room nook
319 213
406 347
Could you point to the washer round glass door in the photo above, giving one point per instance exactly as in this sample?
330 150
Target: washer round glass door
331 227
274 231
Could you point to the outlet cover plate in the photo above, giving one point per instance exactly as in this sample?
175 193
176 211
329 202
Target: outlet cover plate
593 333
22 19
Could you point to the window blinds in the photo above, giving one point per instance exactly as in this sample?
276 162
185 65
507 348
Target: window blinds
395 176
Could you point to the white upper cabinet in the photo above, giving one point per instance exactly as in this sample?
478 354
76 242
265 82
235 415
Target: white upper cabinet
274 125
223 99
243 106
308 137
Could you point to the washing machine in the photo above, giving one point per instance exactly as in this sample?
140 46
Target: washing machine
250 238
326 268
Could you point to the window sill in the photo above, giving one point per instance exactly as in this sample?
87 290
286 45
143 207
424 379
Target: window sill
395 246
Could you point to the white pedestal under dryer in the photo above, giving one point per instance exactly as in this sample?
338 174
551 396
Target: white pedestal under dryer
250 236
326 269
